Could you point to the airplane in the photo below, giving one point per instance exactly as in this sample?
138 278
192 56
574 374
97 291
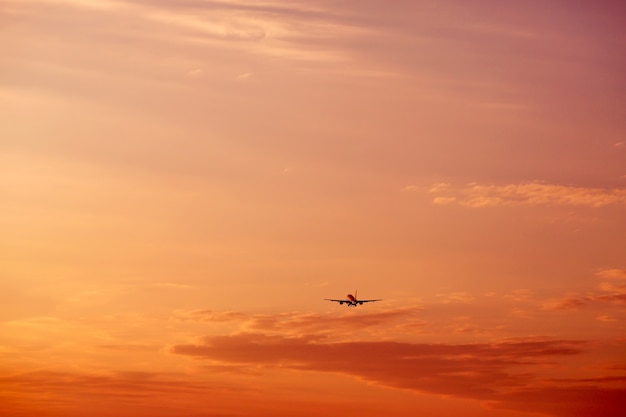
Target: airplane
352 300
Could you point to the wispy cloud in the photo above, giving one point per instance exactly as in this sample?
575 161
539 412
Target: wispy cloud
173 39
109 384
89 4
611 294
172 285
273 28
612 273
208 316
131 347
456 297
336 325
525 194
606 318
578 302
520 295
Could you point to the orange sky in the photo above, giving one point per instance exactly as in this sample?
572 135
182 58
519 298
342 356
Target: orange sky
183 183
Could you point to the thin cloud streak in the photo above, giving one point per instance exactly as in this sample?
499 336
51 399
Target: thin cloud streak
526 194
612 273
578 302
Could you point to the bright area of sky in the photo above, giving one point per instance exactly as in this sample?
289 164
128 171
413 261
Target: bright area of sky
183 183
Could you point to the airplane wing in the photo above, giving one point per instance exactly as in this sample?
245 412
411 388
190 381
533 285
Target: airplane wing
368 301
337 301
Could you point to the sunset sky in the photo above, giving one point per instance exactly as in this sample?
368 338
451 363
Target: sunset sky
182 183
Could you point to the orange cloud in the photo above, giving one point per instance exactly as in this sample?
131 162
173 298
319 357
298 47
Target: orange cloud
574 303
456 297
616 295
307 322
65 394
526 194
478 371
606 318
586 400
612 273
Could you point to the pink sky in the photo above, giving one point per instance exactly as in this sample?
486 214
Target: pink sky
183 183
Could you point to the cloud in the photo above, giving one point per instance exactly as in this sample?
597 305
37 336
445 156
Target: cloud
410 188
567 303
129 393
613 294
612 273
590 400
113 384
444 200
208 316
131 348
495 372
195 73
295 31
456 297
526 194
211 391
614 288
395 361
318 284
88 4
578 302
606 318
172 285
235 34
439 187
335 325
520 295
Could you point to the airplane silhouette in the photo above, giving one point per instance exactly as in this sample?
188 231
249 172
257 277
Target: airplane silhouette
352 300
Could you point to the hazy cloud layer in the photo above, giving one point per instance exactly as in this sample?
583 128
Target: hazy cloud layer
63 393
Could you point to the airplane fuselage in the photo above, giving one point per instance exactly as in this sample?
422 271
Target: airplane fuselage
352 301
